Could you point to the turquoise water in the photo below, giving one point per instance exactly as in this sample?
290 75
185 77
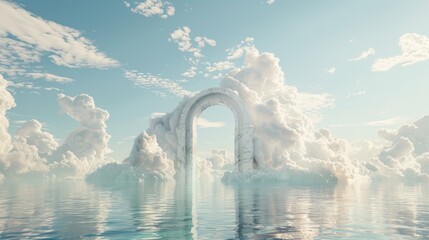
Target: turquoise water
70 210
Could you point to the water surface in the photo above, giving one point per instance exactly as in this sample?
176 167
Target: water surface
71 210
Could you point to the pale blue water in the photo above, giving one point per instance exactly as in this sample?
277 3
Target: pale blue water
71 210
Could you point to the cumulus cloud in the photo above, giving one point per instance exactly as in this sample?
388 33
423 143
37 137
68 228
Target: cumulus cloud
6 102
149 8
25 38
403 156
147 155
150 81
414 49
365 54
85 148
221 159
35 152
32 131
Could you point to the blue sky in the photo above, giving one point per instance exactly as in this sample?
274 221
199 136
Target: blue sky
314 40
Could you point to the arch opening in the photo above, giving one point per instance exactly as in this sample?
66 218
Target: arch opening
214 143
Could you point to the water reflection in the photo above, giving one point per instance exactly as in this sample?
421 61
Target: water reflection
213 210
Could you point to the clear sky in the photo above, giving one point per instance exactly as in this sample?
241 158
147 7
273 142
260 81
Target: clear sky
137 58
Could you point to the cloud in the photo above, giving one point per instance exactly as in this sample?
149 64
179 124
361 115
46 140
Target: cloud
149 8
33 152
407 154
239 50
86 147
387 122
270 1
221 159
364 54
414 49
49 77
147 155
6 102
355 94
150 81
182 37
26 38
330 70
204 123
30 86
32 131
220 66
191 72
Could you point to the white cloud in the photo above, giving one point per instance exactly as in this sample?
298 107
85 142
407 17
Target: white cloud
32 131
85 148
220 66
6 102
149 8
26 38
241 48
49 77
330 70
204 123
387 122
270 1
355 94
150 81
191 72
30 86
414 49
35 152
364 54
182 37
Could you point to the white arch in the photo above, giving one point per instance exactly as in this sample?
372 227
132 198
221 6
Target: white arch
243 138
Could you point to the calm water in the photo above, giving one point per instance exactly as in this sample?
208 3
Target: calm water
73 210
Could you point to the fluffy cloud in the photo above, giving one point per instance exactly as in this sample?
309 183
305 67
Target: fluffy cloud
26 38
182 37
191 72
414 49
150 81
6 102
330 70
85 148
364 54
35 152
150 8
147 155
239 50
34 135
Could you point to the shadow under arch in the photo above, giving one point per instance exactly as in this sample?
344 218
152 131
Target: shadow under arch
243 135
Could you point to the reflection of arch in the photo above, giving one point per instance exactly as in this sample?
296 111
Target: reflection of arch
243 138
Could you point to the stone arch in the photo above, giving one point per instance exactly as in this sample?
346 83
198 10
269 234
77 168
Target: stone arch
243 136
